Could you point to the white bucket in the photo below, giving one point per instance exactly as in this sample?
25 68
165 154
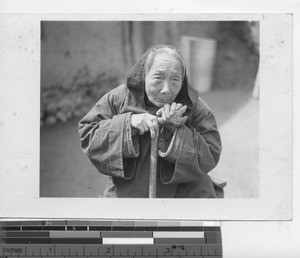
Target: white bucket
200 55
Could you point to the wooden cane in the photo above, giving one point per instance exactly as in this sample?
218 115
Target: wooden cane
153 165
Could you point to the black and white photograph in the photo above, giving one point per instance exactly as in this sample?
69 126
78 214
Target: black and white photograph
139 109
149 116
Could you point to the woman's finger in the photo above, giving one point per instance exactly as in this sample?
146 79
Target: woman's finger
151 126
173 108
181 110
143 127
155 123
184 119
159 112
160 121
167 110
163 114
178 106
141 130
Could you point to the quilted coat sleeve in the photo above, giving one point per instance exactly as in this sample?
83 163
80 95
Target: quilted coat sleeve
195 149
106 137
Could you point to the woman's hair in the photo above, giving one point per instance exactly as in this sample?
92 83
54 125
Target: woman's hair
166 50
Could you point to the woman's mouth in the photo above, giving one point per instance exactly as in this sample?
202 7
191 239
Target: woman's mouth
165 101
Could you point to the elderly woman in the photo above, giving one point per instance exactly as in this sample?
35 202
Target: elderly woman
116 134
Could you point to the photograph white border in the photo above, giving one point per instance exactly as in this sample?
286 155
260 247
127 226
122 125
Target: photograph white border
20 115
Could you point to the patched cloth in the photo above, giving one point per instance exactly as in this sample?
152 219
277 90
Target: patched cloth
184 158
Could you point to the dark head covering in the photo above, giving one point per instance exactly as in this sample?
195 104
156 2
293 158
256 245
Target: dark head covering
136 79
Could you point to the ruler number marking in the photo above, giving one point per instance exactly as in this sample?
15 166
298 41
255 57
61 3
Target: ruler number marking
107 250
168 250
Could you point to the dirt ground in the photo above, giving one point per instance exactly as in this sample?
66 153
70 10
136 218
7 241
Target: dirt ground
66 172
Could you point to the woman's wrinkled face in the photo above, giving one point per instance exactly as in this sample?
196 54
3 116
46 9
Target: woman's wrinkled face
163 80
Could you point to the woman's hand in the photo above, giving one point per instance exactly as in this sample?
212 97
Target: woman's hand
145 122
171 115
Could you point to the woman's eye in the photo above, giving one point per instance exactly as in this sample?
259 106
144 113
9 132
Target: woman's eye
157 78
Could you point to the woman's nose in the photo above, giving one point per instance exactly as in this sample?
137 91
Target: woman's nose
165 88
